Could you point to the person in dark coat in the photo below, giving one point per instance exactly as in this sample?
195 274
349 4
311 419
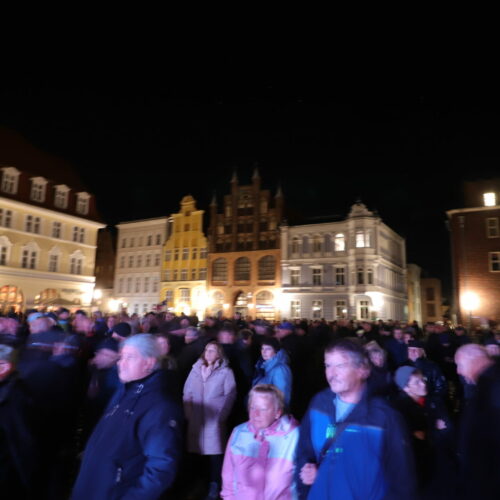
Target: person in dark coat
135 448
436 382
18 459
431 432
479 436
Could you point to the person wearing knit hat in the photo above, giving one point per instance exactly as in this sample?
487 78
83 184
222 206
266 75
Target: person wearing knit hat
436 381
427 420
121 331
403 375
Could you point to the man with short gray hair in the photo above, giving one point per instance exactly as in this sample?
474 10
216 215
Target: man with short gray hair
352 445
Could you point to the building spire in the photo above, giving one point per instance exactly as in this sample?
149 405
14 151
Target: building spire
214 199
279 191
234 178
256 171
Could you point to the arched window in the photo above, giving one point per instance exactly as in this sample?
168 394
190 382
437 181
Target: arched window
219 270
242 269
267 268
339 242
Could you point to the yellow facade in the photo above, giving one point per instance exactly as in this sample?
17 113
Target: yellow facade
184 270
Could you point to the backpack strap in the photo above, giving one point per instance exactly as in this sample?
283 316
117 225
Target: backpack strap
335 432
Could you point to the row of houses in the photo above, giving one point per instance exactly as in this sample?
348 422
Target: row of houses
254 263
247 260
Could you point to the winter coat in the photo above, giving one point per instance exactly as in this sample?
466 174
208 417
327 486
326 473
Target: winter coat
275 371
370 459
134 450
259 465
207 405
18 448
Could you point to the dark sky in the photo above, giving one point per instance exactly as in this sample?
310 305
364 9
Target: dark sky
141 147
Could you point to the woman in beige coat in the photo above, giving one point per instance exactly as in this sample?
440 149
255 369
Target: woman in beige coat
209 394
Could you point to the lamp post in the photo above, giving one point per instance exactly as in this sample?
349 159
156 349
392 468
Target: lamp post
470 302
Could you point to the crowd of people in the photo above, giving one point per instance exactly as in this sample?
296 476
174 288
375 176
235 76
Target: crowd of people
97 406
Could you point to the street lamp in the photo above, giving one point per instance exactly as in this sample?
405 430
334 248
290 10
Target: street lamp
470 302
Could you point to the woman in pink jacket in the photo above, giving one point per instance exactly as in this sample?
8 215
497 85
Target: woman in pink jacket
209 394
259 459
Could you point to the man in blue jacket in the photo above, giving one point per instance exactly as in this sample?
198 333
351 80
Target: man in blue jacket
352 445
134 450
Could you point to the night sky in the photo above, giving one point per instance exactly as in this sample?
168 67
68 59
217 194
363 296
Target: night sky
141 148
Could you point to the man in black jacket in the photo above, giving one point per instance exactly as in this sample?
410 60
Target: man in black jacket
479 442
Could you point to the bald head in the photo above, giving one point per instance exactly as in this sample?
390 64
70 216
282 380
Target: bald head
472 360
40 325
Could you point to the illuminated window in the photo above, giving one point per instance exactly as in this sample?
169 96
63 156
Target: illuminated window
362 239
295 309
317 309
364 309
490 199
295 277
184 274
295 245
340 242
340 309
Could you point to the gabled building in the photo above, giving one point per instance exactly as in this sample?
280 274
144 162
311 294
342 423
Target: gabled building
184 270
244 274
353 268
48 231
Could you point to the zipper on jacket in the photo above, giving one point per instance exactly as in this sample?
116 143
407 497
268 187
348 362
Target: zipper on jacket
118 475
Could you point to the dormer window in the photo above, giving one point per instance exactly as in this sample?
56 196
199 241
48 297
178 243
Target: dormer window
490 199
61 196
82 203
38 186
10 180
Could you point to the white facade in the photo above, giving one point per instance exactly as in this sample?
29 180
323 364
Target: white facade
138 264
354 268
46 257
